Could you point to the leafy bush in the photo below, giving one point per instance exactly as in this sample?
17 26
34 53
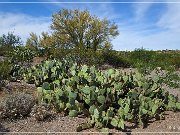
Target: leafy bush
143 59
5 69
58 53
16 106
86 56
4 50
166 60
80 56
116 59
11 71
146 60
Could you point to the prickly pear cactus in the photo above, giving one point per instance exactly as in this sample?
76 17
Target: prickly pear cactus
108 97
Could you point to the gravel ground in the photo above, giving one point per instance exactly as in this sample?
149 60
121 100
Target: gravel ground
68 124
58 124
175 92
16 87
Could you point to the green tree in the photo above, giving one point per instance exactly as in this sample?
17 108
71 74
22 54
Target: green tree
42 44
79 29
8 42
33 42
46 40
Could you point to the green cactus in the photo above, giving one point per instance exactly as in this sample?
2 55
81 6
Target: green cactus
101 99
73 113
107 97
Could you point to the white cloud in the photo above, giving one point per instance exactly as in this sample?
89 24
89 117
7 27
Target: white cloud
102 10
140 10
131 38
171 18
166 36
22 24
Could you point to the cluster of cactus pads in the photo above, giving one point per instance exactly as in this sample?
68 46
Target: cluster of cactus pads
48 71
108 98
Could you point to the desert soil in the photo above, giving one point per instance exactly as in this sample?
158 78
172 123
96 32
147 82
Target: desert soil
171 125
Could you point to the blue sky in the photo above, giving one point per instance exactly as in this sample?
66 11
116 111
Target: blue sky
154 26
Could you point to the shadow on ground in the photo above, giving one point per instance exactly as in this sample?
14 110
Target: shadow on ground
3 129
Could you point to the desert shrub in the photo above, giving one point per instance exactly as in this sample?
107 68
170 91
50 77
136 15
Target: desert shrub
142 59
167 60
86 56
5 69
41 112
116 59
176 60
80 56
2 84
59 53
16 106
4 50
11 71
40 52
146 60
